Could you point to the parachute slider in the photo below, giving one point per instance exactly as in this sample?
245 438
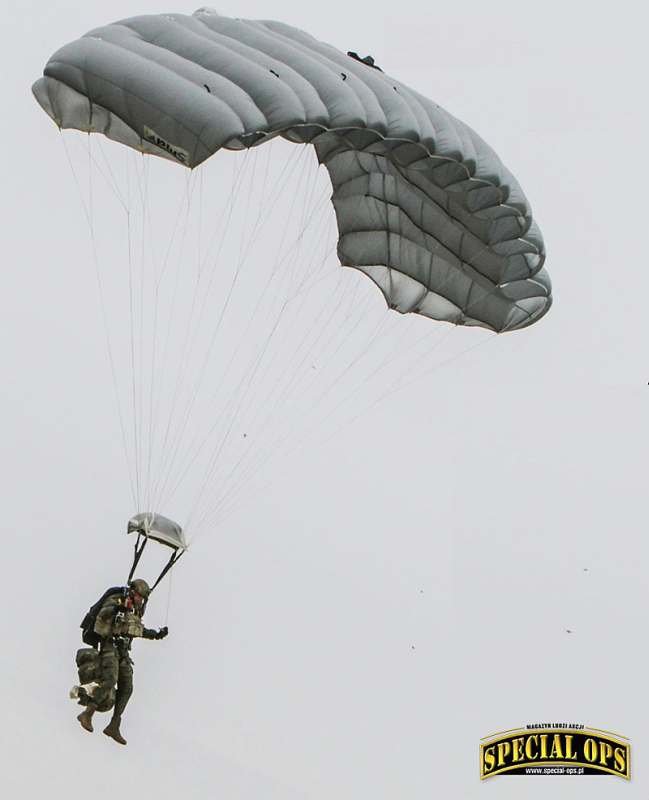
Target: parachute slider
155 526
149 525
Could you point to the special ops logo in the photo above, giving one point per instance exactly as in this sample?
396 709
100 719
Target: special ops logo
555 749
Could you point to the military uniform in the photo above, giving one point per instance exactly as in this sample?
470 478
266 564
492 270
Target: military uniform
116 626
118 622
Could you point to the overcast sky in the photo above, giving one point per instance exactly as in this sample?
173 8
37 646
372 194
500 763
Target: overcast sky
406 588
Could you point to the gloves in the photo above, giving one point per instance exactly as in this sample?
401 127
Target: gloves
149 633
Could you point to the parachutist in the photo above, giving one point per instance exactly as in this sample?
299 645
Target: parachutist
109 627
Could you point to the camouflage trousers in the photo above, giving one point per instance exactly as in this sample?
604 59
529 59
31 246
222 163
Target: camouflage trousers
115 678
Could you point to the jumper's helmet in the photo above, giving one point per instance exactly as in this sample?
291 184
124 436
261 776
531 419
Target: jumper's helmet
141 587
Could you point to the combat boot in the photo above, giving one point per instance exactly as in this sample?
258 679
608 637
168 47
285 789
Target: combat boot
85 717
112 730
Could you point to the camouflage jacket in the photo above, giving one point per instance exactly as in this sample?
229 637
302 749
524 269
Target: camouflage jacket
116 619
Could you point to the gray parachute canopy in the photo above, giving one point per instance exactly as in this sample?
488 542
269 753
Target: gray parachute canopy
424 206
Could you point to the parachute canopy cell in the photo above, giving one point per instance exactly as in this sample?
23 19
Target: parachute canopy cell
159 528
424 206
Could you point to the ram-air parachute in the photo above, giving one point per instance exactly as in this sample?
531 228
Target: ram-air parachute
424 207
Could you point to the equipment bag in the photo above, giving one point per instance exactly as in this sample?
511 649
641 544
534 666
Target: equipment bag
87 665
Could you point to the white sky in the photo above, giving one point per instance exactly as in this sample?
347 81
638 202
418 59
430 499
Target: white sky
456 518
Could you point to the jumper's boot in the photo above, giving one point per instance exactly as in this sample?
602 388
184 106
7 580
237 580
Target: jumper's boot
85 717
112 730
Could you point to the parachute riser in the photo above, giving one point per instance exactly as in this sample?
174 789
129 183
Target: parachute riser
137 554
174 559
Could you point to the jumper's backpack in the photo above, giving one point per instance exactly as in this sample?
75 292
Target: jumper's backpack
87 626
